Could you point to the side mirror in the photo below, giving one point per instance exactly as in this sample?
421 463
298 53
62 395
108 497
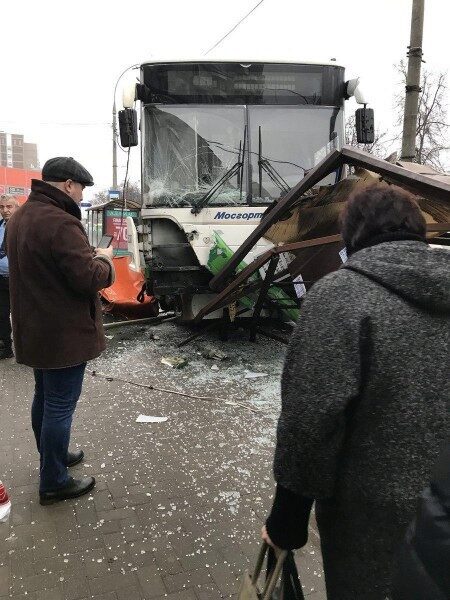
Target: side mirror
365 125
128 128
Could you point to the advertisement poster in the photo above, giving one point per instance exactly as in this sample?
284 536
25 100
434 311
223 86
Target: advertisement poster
116 225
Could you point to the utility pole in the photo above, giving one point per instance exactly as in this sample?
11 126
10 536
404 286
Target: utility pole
413 82
114 148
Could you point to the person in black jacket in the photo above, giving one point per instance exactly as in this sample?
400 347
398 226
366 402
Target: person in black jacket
424 560
365 396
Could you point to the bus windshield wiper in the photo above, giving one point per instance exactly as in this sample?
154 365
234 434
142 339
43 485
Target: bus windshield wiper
198 206
265 164
237 168
274 175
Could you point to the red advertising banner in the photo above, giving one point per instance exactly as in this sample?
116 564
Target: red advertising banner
116 225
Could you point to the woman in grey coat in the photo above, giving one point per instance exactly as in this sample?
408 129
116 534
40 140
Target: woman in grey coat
365 396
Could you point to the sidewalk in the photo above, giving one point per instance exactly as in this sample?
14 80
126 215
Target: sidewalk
178 506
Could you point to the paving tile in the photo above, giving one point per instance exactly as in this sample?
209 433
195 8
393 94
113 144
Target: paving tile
54 594
34 583
86 513
112 582
168 561
225 580
131 593
20 513
150 581
96 563
87 531
46 547
183 595
186 580
207 591
78 545
116 514
4 580
103 500
22 565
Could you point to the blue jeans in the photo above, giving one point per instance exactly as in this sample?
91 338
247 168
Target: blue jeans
55 398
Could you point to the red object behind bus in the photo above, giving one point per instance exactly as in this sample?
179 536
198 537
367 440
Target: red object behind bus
17 182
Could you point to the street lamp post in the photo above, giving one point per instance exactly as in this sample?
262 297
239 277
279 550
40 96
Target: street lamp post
114 141
114 128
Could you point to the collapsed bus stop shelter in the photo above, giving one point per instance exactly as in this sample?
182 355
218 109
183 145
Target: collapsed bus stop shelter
317 251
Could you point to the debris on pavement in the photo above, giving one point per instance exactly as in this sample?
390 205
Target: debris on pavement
159 389
214 368
253 375
153 512
175 362
150 387
150 419
214 354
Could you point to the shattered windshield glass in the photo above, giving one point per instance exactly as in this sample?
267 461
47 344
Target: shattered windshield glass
285 142
198 155
190 151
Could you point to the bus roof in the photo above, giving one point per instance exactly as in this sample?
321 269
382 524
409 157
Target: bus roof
246 60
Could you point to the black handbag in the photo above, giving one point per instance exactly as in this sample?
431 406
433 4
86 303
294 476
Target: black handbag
282 582
290 587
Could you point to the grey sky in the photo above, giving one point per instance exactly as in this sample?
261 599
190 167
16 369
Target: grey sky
60 64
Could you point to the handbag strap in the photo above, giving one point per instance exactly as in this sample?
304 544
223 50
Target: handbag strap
274 576
259 562
292 587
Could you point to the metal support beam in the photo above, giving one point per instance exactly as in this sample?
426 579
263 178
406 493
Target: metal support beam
270 273
417 183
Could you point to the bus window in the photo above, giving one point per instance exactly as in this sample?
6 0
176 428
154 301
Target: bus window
284 144
190 151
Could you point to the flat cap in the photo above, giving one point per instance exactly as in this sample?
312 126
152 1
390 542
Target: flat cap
62 168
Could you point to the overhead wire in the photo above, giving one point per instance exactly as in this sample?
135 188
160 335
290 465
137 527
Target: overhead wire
233 28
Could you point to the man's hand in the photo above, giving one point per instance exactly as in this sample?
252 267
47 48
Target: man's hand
108 252
266 538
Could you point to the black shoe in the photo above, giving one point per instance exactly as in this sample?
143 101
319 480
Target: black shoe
6 352
73 489
73 458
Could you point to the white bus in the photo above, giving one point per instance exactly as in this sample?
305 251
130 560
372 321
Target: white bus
221 141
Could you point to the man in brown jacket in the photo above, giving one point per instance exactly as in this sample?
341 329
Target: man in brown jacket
56 313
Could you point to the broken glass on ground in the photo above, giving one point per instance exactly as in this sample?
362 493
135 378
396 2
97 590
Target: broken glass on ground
214 354
254 375
175 362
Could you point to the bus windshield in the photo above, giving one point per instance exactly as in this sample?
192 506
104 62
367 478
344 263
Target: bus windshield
231 155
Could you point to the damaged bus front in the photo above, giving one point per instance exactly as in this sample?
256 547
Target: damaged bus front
220 142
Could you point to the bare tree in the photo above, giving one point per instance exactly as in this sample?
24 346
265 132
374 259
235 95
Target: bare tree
378 148
132 194
432 124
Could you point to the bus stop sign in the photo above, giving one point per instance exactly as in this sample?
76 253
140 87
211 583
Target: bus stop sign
114 194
